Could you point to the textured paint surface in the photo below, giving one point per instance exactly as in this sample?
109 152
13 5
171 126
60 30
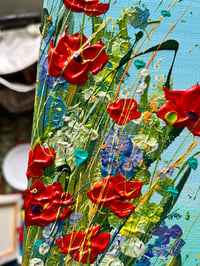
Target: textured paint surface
171 54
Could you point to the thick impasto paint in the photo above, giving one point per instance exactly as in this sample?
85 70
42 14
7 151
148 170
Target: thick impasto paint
113 166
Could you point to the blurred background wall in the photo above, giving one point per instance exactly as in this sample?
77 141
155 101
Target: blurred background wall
20 6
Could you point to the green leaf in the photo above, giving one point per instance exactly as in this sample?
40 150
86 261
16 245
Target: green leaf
167 207
163 186
143 176
46 22
144 105
177 261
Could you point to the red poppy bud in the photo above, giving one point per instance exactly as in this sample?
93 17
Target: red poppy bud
123 110
39 158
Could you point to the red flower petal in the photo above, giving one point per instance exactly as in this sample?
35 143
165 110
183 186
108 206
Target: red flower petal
81 245
129 189
44 156
39 158
117 179
102 193
34 170
123 110
113 191
194 127
96 51
90 7
74 61
183 103
43 205
121 209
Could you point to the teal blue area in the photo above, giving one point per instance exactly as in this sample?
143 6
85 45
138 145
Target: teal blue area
80 156
188 54
193 163
139 64
57 108
165 13
173 191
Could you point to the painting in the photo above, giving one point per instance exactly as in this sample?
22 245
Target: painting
10 206
113 176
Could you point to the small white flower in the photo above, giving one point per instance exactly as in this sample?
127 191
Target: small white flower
94 134
87 94
68 134
36 262
45 145
116 263
64 144
156 66
66 118
111 261
150 121
158 78
153 86
59 133
106 96
143 85
44 248
145 72
50 134
159 60
153 148
124 93
140 92
133 248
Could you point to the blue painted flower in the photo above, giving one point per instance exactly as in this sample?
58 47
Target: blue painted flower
169 172
149 251
51 233
141 18
174 215
157 249
162 252
125 145
158 242
127 167
165 233
118 156
75 218
144 261
175 250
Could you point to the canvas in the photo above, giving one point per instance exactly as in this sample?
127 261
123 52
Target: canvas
113 176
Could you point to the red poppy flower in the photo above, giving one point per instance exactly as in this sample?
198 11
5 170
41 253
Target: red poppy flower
73 60
115 192
84 246
90 7
186 105
39 158
20 231
43 205
123 110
